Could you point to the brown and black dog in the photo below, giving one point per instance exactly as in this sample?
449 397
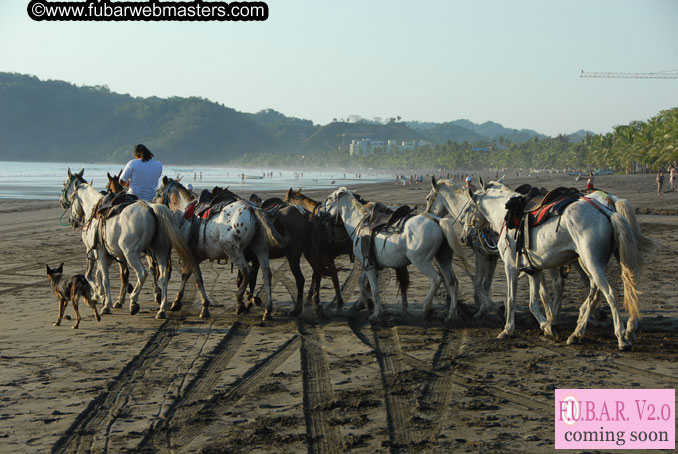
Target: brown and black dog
70 287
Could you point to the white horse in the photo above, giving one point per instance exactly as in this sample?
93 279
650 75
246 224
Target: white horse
238 226
424 237
584 232
139 228
449 199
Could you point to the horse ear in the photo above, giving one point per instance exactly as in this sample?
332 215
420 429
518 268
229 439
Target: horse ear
470 193
119 173
434 183
109 176
60 268
501 180
91 183
48 270
81 172
299 190
164 179
482 183
69 173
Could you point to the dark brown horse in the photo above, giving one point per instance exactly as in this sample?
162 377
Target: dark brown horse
329 241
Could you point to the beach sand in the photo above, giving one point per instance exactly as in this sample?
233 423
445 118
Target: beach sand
234 384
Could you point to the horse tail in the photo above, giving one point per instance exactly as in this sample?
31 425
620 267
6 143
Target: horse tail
446 225
646 245
168 228
630 260
273 237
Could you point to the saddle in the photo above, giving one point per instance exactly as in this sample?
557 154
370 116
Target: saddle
113 203
534 208
212 203
380 219
272 206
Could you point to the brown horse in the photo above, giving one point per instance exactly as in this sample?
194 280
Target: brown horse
329 241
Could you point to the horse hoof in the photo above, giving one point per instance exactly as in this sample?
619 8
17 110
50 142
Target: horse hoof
67 317
74 327
257 301
161 315
134 308
548 330
240 310
117 305
267 317
56 324
503 335
427 314
106 310
625 348
176 306
572 340
204 313
98 317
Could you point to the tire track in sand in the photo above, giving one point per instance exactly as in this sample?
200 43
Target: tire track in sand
322 436
178 416
386 346
103 410
221 402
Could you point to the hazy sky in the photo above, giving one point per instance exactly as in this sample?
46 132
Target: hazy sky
514 62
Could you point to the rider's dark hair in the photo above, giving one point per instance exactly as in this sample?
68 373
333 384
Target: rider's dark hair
140 151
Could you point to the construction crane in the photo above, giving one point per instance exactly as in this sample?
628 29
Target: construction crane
344 134
655 75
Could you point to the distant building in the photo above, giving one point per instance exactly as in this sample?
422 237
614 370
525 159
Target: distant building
366 147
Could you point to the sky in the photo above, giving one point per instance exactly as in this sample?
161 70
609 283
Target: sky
514 62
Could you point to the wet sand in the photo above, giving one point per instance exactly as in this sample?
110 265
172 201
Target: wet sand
233 384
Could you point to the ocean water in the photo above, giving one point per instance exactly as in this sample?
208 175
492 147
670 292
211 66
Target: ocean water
44 180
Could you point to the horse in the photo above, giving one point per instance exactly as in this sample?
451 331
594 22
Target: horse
424 237
236 227
139 228
585 232
445 199
329 241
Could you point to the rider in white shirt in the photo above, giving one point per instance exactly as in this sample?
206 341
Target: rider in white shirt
142 173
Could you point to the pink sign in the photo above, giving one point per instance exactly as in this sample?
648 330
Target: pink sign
615 419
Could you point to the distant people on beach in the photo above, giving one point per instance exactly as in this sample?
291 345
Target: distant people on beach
589 182
660 182
142 173
673 173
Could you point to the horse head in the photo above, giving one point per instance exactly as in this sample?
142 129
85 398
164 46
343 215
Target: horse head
114 182
70 187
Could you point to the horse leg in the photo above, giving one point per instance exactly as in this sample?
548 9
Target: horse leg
480 294
238 258
300 281
444 260
261 250
511 286
161 259
104 264
124 282
374 284
536 288
204 312
155 268
403 277
585 309
599 279
176 305
426 268
135 263
252 283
